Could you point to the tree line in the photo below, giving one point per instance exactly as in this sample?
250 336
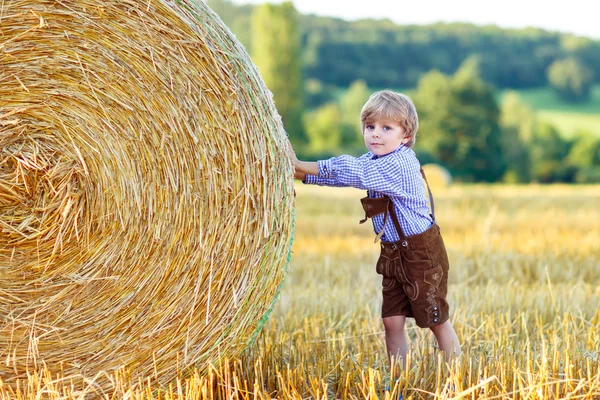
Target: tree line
338 52
452 72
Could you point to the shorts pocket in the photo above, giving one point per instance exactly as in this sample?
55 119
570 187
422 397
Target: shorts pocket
433 276
386 260
382 265
388 283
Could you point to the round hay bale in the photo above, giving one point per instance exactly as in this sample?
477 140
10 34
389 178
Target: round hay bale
437 175
145 192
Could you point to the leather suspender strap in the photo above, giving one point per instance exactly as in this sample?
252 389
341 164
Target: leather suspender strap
392 211
430 195
377 206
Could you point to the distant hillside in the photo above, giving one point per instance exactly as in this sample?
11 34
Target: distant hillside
569 119
385 54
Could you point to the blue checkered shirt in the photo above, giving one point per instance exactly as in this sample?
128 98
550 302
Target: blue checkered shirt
396 175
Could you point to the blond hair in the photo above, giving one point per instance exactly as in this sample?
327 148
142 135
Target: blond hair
395 106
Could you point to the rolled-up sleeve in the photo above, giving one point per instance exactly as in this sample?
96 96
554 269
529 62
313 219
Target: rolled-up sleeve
315 180
325 168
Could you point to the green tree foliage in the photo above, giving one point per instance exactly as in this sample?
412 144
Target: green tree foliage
536 151
585 155
351 104
335 127
324 130
460 123
548 144
571 79
517 123
585 151
276 52
583 49
347 51
548 156
316 94
337 52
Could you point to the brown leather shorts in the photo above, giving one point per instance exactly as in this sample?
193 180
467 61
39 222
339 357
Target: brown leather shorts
415 278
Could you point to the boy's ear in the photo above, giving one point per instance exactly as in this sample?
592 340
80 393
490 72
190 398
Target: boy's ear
407 137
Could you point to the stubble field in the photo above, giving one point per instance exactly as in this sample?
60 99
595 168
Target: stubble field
523 291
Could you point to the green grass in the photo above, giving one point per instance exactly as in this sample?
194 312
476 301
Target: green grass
545 99
569 123
568 118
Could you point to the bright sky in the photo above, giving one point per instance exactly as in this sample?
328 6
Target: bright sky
574 16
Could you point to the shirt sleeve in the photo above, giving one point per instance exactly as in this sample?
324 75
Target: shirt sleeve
330 181
315 180
384 175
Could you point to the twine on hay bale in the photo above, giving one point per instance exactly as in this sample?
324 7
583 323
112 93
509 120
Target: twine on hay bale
145 194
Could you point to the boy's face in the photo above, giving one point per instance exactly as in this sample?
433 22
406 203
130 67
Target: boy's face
383 136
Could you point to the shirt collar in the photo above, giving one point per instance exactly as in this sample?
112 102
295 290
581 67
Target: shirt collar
401 148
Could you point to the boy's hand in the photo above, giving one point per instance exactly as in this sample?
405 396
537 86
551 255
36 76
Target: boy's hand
295 162
301 168
291 153
299 175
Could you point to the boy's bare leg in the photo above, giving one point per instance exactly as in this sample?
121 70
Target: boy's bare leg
395 338
447 340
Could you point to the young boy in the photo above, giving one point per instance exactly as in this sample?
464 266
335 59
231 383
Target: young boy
413 259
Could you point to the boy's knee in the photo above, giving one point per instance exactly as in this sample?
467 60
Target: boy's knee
439 327
395 323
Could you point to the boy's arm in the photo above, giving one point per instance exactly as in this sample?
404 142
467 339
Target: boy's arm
308 172
301 168
306 167
385 175
315 180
